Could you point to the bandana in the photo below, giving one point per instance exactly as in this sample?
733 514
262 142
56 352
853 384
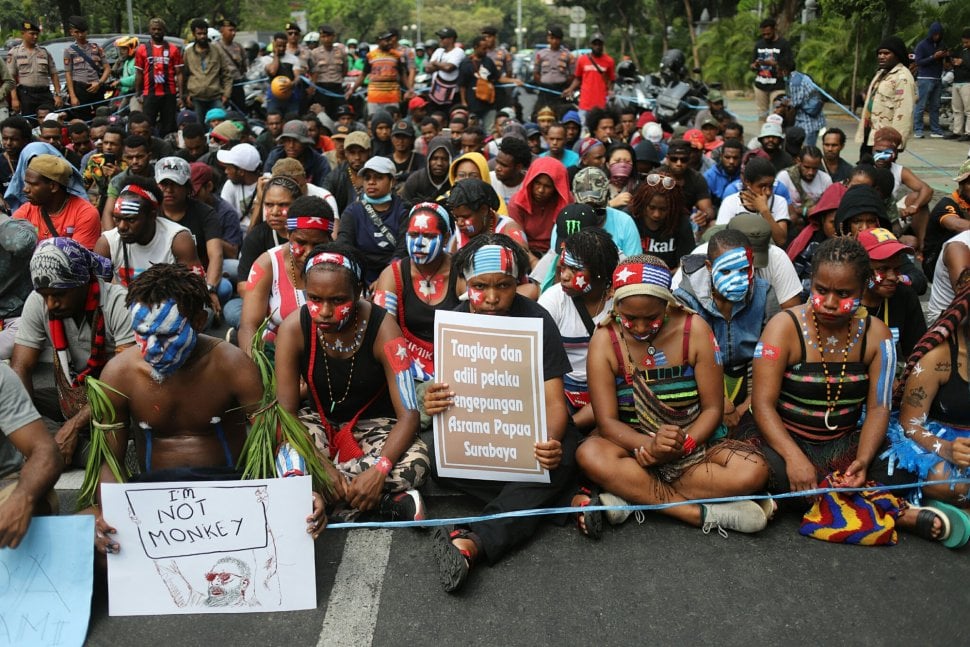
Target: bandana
335 259
62 263
650 279
492 259
620 173
165 336
126 207
731 274
588 144
305 222
140 192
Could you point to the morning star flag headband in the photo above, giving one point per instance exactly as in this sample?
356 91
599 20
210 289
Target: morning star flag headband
651 278
334 259
492 259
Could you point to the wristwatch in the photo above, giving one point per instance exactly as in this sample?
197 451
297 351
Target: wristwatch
212 288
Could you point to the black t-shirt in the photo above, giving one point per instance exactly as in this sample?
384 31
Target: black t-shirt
694 187
905 316
936 234
668 247
204 224
468 73
259 239
555 363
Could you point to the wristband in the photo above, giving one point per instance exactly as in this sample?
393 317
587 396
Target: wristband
383 465
689 444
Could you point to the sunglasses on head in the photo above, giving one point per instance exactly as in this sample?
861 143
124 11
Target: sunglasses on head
653 179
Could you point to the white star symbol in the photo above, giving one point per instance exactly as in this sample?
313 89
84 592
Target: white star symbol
624 274
426 288
342 311
920 421
315 220
937 446
917 369
401 352
581 281
927 434
910 432
421 221
832 341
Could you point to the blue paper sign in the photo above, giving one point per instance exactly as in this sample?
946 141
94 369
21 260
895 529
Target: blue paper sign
46 583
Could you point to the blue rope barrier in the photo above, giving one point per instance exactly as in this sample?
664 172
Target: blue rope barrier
430 523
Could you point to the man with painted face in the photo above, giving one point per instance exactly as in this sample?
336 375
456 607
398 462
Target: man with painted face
80 318
137 156
375 223
723 289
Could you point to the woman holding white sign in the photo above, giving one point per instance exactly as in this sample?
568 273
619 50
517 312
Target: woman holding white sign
656 387
363 409
493 266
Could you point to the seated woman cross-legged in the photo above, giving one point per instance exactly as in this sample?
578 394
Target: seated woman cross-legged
657 391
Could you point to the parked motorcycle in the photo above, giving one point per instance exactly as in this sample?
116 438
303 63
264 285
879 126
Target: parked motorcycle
672 94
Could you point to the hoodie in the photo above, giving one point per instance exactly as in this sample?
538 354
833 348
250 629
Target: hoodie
378 147
420 187
538 222
482 165
927 65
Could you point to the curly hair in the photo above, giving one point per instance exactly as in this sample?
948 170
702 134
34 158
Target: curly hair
676 208
174 281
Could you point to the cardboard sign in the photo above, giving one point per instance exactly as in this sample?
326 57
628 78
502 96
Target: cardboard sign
494 366
210 547
46 582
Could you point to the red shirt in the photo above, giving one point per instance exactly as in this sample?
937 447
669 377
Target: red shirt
592 93
78 220
158 69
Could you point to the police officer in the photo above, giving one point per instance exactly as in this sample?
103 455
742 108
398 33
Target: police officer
85 69
34 72
502 59
553 68
238 61
328 67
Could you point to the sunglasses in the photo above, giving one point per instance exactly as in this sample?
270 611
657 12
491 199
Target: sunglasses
653 179
677 158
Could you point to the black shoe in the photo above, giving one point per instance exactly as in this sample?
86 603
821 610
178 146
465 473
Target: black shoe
403 506
964 138
952 136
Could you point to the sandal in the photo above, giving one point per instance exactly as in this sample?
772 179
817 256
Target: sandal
959 524
454 563
589 523
925 517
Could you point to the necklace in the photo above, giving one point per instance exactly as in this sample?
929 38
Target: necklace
814 341
350 377
338 346
291 266
830 404
648 360
350 176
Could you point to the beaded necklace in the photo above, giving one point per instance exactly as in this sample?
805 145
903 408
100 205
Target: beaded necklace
830 403
338 346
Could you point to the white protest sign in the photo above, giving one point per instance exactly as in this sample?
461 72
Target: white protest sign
46 583
210 547
494 366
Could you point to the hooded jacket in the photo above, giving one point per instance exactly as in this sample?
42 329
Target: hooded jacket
539 222
927 65
419 187
379 147
482 165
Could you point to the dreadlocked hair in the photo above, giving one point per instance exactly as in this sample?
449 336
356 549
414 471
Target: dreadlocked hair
174 281
356 281
842 250
944 328
676 208
463 259
595 249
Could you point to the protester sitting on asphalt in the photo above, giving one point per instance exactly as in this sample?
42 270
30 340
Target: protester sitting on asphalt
140 238
473 165
241 164
661 217
620 160
723 289
953 261
826 351
511 164
493 265
819 227
833 141
426 184
950 216
544 193
758 197
79 317
592 153
657 390
276 282
345 182
28 450
294 142
908 208
150 384
556 138
230 231
363 411
578 302
138 159
413 288
805 180
726 171
697 197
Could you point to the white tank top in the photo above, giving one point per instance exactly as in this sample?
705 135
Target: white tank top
284 298
141 257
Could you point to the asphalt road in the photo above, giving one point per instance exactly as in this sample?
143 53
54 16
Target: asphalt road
655 583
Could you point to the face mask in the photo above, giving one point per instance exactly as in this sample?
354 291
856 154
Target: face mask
165 337
847 306
620 172
382 200
653 327
883 155
731 274
579 282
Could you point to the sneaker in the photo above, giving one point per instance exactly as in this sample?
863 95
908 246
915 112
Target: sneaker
742 516
917 135
937 135
402 506
614 517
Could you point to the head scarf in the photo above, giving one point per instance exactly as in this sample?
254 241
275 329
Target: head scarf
62 263
15 197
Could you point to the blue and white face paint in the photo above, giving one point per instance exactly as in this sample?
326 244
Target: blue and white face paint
165 336
731 274
577 280
425 237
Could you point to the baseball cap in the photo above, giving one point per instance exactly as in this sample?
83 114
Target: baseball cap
312 37
574 218
186 116
345 109
770 129
227 131
715 96
591 186
357 138
53 167
695 137
244 156
199 174
297 130
446 32
645 151
416 102
964 173
340 132
381 165
679 147
572 116
758 232
881 244
597 37
710 121
555 31
175 169
403 128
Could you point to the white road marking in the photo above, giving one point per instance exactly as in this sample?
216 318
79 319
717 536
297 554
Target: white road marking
356 594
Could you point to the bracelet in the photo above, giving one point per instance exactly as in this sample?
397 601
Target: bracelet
689 444
383 465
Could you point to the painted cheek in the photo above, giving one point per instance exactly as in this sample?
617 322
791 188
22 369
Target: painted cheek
476 296
297 250
817 301
580 282
142 344
848 305
313 308
342 313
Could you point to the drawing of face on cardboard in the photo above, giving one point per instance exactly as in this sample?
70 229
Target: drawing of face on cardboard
228 581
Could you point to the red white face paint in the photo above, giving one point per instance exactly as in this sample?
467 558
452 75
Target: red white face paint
256 272
314 309
424 223
476 296
343 313
297 250
846 306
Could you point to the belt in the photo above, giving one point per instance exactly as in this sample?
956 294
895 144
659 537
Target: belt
39 88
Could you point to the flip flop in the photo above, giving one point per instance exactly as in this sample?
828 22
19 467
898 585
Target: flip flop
925 516
959 523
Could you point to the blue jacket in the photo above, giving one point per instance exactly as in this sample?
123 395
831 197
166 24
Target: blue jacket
927 66
718 180
314 164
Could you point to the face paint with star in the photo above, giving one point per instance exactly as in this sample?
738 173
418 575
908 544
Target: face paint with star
575 277
425 240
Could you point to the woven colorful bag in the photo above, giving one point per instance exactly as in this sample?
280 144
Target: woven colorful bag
866 518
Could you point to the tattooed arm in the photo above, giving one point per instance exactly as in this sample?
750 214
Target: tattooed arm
924 382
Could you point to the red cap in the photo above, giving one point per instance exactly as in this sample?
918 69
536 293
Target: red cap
416 102
695 137
881 244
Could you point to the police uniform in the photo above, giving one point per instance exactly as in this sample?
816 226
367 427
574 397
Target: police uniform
555 73
238 64
84 74
31 69
327 69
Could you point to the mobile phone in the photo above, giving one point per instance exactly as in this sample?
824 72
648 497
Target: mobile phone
110 158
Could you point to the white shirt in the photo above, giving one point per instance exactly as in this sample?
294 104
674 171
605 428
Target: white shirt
780 273
813 189
731 206
455 57
240 196
320 192
941 294
502 189
575 339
